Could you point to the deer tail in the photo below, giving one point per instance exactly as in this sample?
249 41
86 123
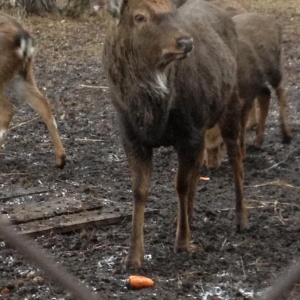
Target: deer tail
25 44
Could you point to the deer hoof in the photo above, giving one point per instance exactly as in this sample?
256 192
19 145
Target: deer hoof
241 222
61 161
133 261
286 138
181 246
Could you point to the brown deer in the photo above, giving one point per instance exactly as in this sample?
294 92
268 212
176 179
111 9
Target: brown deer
259 63
17 49
172 75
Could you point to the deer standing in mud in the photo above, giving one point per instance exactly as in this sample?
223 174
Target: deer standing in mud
259 64
17 49
172 75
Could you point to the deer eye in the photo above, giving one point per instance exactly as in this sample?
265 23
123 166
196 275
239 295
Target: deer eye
139 18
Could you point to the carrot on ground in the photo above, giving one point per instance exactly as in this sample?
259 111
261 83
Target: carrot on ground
139 282
204 178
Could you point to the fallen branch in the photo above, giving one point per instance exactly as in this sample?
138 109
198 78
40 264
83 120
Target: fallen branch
94 86
274 202
275 165
281 162
248 207
83 140
276 182
24 123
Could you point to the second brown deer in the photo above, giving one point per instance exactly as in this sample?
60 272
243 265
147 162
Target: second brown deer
259 64
17 48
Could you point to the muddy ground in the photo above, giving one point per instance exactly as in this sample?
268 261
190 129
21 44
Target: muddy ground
233 266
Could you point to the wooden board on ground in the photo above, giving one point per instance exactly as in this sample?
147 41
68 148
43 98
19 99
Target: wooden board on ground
63 214
18 192
31 211
67 223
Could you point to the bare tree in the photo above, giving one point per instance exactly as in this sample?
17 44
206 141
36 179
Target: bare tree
76 8
5 3
73 8
38 6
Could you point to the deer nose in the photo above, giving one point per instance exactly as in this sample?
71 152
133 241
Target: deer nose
185 44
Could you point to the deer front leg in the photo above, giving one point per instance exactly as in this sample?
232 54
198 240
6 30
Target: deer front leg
140 164
6 115
189 164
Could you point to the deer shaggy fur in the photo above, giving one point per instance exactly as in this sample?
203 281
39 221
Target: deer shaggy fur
172 74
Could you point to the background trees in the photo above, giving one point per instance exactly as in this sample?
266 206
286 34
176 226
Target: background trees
69 8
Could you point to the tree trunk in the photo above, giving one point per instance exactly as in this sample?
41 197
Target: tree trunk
38 7
7 3
76 8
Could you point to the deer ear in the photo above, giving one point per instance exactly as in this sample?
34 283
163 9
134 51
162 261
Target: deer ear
114 7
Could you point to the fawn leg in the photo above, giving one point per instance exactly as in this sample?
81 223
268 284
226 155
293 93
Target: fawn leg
6 115
26 87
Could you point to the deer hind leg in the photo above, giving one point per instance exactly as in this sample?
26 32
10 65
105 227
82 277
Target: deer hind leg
230 136
244 117
252 118
285 128
263 99
26 87
6 115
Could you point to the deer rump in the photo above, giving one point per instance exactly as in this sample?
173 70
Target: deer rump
172 74
16 70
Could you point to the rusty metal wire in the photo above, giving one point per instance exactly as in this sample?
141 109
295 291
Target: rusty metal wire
39 257
284 283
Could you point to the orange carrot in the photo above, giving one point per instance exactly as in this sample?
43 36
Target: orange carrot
139 282
4 291
204 178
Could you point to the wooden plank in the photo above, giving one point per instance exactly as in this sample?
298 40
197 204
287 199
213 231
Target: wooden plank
19 192
76 221
33 210
63 214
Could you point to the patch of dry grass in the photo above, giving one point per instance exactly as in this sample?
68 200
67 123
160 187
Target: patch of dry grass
61 39
269 6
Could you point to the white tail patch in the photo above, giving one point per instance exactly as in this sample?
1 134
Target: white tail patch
26 48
